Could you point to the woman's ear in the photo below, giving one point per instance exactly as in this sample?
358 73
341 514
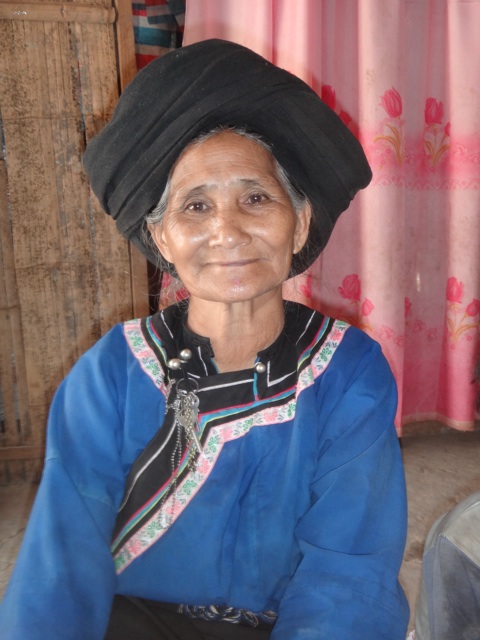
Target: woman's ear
302 227
156 231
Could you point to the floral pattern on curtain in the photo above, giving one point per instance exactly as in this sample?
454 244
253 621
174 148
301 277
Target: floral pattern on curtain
404 261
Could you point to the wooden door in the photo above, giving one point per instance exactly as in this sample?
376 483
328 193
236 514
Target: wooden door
68 276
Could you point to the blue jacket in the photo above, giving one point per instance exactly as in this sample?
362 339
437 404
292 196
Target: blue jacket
297 506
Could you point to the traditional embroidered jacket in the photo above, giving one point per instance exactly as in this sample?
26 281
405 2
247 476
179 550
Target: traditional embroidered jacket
296 504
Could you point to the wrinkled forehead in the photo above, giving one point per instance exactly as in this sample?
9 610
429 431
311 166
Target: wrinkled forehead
224 151
230 158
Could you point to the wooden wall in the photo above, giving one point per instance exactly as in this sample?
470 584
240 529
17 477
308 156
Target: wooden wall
67 275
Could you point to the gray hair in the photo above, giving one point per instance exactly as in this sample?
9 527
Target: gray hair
297 198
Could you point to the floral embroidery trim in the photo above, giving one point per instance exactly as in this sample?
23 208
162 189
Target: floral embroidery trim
144 354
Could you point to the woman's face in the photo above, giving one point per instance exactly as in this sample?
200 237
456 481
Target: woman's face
229 226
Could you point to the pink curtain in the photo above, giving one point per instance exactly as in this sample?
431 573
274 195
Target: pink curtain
404 261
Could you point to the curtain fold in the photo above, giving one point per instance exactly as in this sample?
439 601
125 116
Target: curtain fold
404 261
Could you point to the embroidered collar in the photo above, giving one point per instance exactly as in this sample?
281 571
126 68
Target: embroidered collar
169 335
230 405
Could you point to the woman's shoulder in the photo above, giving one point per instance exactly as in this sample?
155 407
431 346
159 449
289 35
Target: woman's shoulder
355 389
358 355
111 345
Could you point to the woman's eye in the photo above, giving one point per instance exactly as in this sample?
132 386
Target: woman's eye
256 198
196 207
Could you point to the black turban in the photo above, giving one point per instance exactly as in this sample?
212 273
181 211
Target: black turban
198 87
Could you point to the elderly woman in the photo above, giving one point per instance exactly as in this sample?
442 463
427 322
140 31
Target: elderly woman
227 468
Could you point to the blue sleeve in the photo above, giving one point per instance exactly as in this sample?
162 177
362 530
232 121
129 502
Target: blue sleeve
352 537
64 580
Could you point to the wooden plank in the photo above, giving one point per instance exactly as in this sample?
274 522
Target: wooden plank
127 68
13 387
37 242
111 250
21 453
56 265
139 282
56 12
12 357
9 433
97 66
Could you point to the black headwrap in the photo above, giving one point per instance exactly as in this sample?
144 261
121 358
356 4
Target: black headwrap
214 82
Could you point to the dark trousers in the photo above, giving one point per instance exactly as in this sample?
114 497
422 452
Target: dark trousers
138 619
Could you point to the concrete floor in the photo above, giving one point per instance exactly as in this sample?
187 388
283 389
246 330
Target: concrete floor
441 469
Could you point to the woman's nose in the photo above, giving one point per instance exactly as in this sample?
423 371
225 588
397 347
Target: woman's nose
229 229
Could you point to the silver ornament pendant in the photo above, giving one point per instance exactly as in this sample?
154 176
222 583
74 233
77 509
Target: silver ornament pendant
185 407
